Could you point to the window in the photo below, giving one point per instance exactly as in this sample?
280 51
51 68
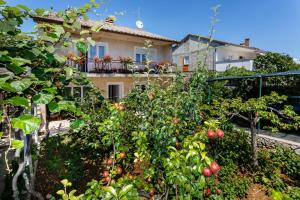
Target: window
101 51
241 57
76 92
141 54
114 92
140 57
97 50
186 60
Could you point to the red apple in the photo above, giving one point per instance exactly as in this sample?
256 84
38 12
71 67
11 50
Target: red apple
220 133
119 170
152 192
214 167
211 134
122 155
207 192
107 179
109 162
105 173
206 172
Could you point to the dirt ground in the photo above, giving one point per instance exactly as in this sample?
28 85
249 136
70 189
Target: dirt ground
257 192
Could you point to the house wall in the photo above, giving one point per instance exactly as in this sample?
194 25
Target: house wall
196 51
224 65
232 53
127 82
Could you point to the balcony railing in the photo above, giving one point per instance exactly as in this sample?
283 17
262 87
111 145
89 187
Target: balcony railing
224 65
116 66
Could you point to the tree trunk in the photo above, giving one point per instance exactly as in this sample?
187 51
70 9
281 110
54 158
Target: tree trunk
253 144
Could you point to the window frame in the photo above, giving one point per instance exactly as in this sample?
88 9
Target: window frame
185 61
121 89
97 45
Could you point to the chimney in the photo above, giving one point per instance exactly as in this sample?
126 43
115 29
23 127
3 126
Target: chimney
247 42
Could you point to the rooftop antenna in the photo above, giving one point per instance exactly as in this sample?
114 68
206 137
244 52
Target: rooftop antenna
139 24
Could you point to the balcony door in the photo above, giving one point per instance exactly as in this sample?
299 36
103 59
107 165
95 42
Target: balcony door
99 50
140 54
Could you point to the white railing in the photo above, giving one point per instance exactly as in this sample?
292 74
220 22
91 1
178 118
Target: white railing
224 65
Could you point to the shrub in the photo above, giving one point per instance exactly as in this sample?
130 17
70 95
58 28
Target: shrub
232 182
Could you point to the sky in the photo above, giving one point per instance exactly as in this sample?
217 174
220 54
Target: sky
272 25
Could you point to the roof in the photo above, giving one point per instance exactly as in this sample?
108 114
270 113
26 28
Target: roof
286 73
217 42
109 27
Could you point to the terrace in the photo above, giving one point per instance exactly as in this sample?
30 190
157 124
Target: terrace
121 67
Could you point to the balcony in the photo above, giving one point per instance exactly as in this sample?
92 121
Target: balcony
227 64
118 67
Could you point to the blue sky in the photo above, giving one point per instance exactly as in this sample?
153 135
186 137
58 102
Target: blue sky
272 25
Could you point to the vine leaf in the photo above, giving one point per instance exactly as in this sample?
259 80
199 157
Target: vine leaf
42 98
18 101
77 124
17 144
26 123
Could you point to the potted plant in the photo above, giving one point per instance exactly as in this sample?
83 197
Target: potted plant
126 61
106 61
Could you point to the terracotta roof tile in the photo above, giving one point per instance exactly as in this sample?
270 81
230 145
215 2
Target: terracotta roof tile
110 28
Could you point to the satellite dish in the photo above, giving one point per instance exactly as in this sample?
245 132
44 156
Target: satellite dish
139 24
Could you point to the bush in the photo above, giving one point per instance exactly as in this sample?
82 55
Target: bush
232 182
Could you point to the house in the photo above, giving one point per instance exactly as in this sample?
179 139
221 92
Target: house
219 56
118 58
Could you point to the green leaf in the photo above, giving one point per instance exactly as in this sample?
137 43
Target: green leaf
84 32
27 123
42 98
77 124
20 86
18 101
76 25
24 7
59 29
17 144
1 134
60 192
110 190
277 195
81 46
16 69
50 49
201 182
2 2
7 87
20 61
125 190
59 58
39 11
69 72
53 107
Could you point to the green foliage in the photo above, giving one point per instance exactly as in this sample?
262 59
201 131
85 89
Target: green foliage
68 196
233 184
26 123
273 62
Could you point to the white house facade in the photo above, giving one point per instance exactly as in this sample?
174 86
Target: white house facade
217 55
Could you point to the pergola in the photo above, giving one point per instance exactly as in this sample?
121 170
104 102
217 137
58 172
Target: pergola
259 77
